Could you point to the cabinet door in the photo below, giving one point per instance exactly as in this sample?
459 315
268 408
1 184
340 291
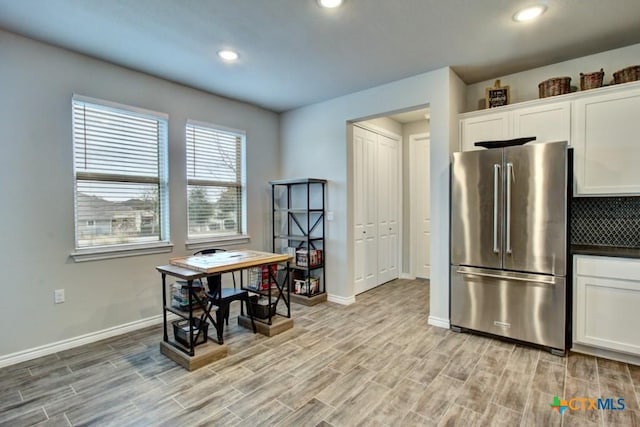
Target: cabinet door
607 152
607 297
489 127
548 123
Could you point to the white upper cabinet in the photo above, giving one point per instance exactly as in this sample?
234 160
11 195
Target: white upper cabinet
547 122
550 121
607 142
602 125
487 127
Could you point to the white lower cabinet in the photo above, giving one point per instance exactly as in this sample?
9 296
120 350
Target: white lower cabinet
606 308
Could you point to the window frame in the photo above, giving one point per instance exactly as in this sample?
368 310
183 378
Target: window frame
119 250
242 237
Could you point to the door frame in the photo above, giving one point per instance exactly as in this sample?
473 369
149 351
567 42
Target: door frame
412 218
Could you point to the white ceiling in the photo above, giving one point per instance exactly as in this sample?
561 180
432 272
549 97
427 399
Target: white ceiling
292 53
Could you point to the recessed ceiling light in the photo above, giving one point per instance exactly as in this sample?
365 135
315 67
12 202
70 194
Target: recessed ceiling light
228 55
330 4
529 13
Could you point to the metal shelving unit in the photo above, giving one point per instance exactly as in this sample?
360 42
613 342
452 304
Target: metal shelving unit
298 226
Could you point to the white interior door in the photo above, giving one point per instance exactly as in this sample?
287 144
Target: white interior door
419 146
365 241
388 201
376 208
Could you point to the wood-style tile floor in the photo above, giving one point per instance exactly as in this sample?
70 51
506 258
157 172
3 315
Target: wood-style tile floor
374 363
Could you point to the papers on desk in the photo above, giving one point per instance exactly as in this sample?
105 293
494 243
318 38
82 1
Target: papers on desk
228 261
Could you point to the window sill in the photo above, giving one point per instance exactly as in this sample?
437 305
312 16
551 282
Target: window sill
217 242
96 254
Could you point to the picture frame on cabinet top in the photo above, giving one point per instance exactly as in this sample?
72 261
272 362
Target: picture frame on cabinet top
497 95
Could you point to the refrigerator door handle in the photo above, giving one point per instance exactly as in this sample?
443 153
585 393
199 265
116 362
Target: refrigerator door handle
496 185
509 173
524 278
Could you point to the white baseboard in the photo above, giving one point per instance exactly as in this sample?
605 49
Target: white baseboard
33 353
439 322
407 276
341 300
607 354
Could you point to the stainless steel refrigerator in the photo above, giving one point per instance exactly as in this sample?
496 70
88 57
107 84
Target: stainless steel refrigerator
509 213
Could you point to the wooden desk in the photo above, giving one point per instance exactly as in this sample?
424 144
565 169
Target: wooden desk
225 262
191 268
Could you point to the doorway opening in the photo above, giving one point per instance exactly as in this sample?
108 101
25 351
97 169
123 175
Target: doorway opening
390 181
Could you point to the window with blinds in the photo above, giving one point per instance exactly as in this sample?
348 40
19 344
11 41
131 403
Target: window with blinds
120 167
214 181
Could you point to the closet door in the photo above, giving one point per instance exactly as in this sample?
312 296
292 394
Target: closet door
365 207
388 208
419 212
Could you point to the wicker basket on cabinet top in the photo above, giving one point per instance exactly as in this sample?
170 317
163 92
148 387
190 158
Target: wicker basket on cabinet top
554 86
591 80
629 74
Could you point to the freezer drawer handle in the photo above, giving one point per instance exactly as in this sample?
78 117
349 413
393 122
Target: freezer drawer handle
549 281
509 173
496 184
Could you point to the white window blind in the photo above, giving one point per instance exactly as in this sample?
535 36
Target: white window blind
214 181
120 174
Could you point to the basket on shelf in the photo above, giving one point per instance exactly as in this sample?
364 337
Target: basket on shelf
629 74
260 307
181 331
591 80
554 86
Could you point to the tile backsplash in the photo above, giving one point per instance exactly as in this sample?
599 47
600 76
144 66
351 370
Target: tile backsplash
606 221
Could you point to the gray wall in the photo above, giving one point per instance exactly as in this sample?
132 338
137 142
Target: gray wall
320 134
36 176
36 216
524 86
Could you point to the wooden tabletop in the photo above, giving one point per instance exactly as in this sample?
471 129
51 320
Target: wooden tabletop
221 262
180 272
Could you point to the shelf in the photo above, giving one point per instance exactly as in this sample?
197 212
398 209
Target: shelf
298 181
308 295
298 238
197 312
264 292
299 211
298 208
300 267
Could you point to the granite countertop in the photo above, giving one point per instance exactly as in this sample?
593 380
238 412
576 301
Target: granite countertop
612 251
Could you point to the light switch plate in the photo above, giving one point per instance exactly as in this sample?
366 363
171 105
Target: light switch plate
329 215
58 296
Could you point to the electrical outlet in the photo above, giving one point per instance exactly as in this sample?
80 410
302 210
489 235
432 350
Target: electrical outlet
58 296
329 215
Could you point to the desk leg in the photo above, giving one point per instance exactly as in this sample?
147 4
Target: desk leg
270 284
287 283
165 336
221 314
191 300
